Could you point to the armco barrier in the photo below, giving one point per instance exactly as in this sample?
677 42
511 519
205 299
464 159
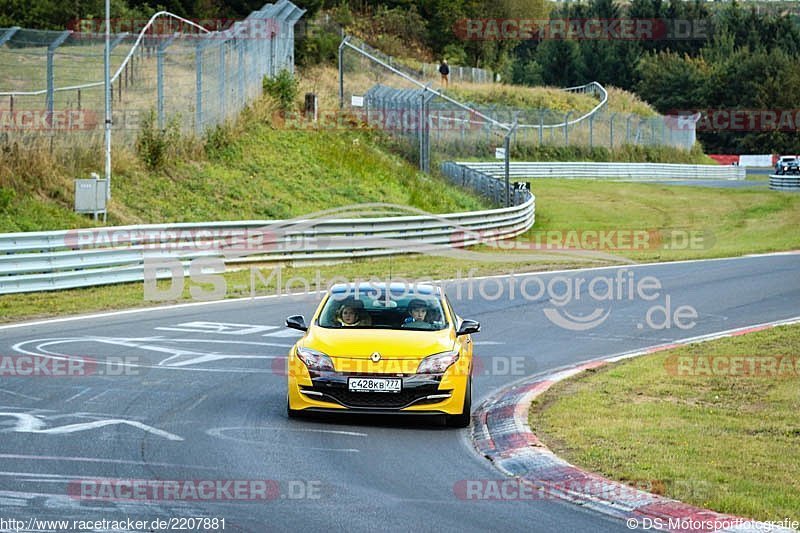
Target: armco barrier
785 182
614 171
52 260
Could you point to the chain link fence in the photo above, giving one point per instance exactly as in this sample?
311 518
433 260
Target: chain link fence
457 73
434 127
175 72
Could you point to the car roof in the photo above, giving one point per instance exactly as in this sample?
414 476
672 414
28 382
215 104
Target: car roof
407 288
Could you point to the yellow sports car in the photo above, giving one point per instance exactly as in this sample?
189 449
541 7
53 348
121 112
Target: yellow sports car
383 348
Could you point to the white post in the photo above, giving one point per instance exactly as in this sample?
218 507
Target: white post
107 76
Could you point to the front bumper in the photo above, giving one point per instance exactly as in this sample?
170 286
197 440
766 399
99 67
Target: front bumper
420 394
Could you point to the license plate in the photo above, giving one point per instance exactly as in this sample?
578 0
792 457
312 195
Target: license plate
374 384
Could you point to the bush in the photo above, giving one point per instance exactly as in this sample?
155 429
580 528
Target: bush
6 197
154 145
318 46
218 141
283 88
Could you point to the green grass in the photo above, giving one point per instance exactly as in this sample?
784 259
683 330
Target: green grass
732 222
551 98
724 442
255 169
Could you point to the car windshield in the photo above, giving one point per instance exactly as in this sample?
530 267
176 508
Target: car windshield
383 309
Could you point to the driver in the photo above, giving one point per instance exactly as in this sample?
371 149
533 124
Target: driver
418 312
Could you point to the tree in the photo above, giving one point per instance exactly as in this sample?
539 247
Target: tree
672 82
561 62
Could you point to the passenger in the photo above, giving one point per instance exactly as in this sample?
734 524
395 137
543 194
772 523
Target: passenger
352 314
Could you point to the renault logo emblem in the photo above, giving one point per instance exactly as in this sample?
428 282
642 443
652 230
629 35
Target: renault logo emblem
375 357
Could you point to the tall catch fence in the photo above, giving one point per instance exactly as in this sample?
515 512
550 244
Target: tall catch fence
169 69
434 127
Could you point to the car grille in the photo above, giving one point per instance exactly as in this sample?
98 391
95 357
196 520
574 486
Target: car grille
383 400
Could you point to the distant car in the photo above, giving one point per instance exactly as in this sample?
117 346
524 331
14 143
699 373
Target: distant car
383 349
787 164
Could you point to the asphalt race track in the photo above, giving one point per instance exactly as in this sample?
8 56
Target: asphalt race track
203 398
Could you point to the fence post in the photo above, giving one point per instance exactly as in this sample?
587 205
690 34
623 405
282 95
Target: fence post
162 47
198 87
427 130
611 131
566 128
51 51
541 128
628 129
591 131
341 71
240 50
222 77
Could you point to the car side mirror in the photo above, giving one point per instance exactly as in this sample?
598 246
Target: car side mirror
296 322
468 327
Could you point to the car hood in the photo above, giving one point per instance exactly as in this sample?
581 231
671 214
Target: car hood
390 343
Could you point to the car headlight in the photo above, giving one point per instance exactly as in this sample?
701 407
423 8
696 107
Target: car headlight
314 360
437 363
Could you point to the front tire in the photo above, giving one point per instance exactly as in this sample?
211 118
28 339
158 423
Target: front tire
462 420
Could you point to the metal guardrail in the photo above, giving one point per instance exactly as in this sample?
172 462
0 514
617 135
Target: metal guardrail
614 171
784 182
51 260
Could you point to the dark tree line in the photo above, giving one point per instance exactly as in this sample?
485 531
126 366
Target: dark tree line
736 59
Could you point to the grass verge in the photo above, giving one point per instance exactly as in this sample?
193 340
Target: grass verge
730 223
256 169
725 442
